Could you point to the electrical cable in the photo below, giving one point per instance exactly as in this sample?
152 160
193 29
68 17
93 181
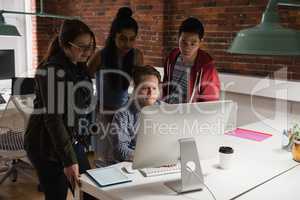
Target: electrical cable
200 178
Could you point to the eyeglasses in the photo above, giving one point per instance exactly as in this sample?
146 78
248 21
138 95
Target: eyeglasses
83 48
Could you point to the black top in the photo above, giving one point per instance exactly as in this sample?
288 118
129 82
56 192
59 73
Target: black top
58 107
117 81
114 78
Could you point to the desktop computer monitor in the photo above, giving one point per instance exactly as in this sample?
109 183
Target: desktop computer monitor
163 128
7 63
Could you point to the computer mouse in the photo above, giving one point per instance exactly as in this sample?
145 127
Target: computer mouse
128 170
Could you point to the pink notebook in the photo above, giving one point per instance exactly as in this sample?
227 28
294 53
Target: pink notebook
249 134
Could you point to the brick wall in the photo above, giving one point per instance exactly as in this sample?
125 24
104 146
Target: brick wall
99 15
159 22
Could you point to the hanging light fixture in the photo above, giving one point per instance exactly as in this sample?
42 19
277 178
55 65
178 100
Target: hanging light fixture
269 37
10 30
6 29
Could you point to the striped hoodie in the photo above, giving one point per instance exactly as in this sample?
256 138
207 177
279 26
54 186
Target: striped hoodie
204 83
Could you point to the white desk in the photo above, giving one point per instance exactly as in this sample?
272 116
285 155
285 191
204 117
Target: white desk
285 186
255 162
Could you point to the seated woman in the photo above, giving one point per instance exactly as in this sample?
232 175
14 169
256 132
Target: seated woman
125 122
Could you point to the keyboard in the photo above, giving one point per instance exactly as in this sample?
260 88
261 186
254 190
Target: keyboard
158 171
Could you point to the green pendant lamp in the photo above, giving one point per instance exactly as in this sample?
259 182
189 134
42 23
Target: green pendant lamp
269 37
6 29
10 30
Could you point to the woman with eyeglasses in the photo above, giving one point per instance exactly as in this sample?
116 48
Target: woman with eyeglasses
63 97
113 67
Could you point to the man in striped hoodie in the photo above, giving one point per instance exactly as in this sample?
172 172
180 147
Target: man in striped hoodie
189 72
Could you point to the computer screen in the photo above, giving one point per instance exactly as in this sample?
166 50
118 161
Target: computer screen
162 126
7 64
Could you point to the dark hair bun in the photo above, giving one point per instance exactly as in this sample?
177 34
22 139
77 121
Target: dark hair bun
124 12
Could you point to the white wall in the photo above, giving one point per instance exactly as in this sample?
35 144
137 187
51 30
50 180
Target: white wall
255 108
261 98
22 54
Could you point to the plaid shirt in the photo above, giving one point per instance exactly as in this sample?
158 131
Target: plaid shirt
123 131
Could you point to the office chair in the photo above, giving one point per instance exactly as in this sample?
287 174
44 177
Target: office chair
12 151
12 131
21 89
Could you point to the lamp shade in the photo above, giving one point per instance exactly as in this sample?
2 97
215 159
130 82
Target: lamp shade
6 29
267 39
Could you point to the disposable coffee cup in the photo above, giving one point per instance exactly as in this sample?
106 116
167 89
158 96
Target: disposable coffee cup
225 157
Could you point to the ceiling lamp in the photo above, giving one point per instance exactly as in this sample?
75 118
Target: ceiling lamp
269 37
11 30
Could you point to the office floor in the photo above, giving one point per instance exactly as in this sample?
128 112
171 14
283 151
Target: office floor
25 188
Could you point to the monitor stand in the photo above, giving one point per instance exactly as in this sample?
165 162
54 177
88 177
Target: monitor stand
189 159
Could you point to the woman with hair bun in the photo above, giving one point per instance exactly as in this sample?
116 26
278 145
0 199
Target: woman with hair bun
113 67
120 55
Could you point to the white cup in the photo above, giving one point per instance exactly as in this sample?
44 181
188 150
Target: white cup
225 157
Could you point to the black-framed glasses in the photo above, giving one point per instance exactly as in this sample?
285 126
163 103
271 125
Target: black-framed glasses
83 48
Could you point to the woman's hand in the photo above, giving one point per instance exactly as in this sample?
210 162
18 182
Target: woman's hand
72 174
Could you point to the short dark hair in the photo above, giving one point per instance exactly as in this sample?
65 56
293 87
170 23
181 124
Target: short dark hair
192 25
140 71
